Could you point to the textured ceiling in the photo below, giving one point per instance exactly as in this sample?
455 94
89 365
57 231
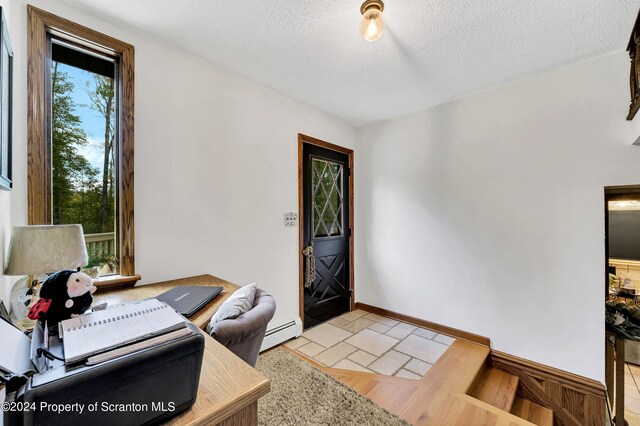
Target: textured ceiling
432 50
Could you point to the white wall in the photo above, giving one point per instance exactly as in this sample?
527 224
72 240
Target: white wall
215 164
486 214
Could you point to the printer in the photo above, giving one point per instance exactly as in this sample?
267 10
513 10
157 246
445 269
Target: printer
144 387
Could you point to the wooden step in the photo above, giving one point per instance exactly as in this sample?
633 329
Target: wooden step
496 387
454 372
532 412
470 411
422 401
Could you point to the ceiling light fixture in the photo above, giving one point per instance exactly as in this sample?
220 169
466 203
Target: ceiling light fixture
372 25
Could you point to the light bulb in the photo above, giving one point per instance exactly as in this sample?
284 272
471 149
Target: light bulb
372 25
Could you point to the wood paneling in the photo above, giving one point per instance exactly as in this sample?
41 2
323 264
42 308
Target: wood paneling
302 139
41 24
574 400
449 331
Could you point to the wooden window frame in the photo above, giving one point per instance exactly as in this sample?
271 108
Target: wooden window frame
41 25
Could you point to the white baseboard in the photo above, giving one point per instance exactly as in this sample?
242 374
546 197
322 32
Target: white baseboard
281 332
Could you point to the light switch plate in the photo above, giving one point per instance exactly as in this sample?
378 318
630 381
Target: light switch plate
290 219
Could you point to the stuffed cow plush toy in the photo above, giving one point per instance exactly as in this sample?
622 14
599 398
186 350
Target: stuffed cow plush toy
63 295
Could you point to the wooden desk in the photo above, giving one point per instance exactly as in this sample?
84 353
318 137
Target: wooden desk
229 387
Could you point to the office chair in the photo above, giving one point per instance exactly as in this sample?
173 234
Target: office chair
243 335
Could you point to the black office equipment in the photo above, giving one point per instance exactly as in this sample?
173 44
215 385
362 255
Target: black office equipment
144 387
189 298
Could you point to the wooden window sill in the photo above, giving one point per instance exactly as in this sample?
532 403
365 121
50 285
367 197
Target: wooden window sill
112 282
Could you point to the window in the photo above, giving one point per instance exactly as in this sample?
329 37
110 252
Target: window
80 139
83 148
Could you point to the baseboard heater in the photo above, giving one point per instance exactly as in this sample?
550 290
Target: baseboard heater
281 332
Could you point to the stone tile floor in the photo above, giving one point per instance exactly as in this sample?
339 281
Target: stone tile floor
362 341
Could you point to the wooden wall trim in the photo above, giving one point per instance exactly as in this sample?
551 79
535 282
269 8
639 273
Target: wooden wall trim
302 139
88 35
40 24
449 331
574 400
38 156
585 384
126 163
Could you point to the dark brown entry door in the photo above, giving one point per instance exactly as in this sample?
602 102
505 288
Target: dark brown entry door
326 228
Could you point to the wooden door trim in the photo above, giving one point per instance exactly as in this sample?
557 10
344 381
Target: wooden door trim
304 139
614 193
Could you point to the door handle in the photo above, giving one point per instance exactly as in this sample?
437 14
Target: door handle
309 265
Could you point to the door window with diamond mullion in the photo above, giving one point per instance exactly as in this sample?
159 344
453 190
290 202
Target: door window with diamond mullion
327 196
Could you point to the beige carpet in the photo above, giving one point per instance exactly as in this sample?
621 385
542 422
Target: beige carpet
303 395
